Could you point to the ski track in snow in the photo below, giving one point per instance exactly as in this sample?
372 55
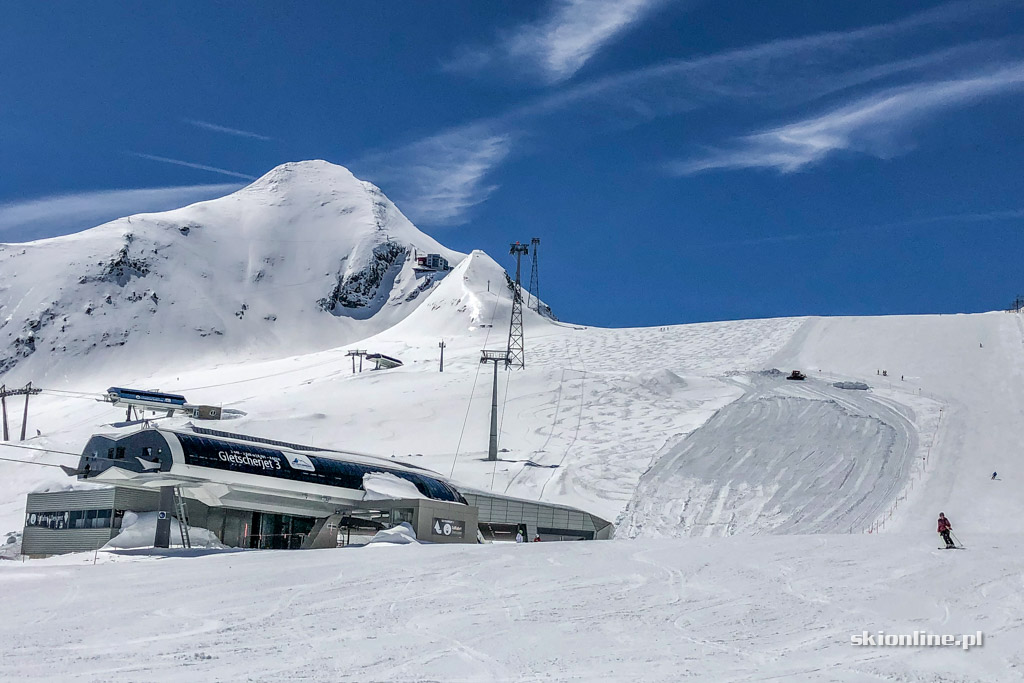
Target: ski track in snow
738 609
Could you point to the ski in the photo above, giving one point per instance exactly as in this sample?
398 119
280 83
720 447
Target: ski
959 547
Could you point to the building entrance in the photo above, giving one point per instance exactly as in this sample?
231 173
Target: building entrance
279 532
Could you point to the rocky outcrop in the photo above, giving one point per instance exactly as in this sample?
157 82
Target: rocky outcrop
359 289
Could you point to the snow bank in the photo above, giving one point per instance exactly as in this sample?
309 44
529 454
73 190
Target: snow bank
403 534
851 385
70 485
139 529
384 486
11 548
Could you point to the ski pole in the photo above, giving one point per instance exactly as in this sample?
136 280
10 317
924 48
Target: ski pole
958 541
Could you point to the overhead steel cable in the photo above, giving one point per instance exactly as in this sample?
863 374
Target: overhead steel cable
30 462
476 376
41 450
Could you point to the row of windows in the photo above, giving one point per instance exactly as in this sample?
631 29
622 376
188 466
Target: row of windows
256 460
71 519
118 453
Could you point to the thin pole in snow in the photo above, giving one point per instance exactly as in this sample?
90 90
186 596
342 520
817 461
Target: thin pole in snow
28 391
3 407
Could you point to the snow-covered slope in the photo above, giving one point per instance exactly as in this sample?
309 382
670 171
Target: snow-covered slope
671 431
722 609
307 257
969 367
252 301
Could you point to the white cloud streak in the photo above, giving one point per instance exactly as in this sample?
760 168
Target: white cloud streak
785 70
948 220
66 213
869 124
206 125
439 178
442 177
189 164
574 31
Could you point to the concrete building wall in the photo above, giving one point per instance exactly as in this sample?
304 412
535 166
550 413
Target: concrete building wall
543 518
37 542
434 521
136 500
86 499
442 522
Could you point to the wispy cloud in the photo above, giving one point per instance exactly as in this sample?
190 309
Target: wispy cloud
441 177
448 172
869 124
189 164
776 72
925 221
206 125
558 45
574 32
66 213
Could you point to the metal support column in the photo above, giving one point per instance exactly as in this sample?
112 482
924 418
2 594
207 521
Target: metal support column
494 357
5 394
163 518
24 416
492 446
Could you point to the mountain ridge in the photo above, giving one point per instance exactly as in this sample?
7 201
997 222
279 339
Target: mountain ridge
306 257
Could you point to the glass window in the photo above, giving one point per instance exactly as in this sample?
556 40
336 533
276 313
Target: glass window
119 454
72 519
110 453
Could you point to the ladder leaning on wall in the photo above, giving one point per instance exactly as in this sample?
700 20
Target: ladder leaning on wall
182 515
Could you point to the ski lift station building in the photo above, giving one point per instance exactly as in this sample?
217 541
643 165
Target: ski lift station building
252 492
434 262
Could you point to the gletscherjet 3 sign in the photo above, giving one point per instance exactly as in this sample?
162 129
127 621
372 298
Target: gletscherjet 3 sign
264 461
256 460
249 459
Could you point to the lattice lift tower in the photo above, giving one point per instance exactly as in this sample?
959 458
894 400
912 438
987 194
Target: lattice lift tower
534 290
516 354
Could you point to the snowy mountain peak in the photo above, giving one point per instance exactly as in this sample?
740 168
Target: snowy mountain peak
314 171
306 257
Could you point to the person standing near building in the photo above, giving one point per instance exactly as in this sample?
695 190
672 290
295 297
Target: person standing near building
519 537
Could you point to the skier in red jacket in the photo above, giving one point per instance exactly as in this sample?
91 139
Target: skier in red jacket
944 528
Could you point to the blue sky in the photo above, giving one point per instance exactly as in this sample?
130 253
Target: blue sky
680 160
